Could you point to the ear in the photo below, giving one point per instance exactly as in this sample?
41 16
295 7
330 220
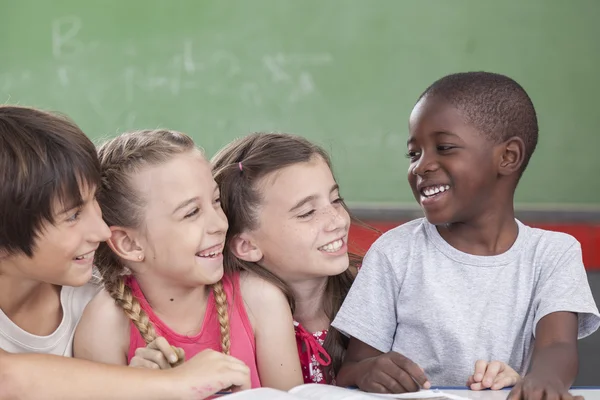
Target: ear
512 156
124 244
244 248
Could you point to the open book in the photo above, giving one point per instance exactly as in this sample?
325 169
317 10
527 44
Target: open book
326 392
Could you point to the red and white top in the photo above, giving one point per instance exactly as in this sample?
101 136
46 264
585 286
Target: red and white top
313 357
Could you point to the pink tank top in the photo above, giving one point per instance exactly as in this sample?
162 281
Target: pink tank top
241 333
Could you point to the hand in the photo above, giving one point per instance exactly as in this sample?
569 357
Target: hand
390 373
207 373
535 387
159 354
493 375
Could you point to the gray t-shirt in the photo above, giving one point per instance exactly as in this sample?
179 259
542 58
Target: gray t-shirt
445 309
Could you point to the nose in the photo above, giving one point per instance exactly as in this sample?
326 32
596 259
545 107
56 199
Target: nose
217 221
337 218
100 232
425 164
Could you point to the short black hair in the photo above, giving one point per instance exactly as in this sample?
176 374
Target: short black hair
44 158
493 103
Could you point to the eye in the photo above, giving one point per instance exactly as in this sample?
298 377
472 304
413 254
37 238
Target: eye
75 216
412 155
339 200
445 148
192 213
306 215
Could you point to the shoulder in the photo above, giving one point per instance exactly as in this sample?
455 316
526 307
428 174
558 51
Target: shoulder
396 247
257 290
103 315
262 298
404 234
103 332
549 244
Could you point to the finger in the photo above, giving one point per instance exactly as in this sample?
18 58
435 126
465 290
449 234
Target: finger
407 381
239 380
411 368
480 367
503 380
154 356
387 373
138 362
552 395
161 344
492 370
381 382
470 381
180 356
476 386
515 393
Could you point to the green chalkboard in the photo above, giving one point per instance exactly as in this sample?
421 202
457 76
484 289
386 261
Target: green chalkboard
345 73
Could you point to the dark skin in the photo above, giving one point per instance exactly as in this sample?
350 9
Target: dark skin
475 216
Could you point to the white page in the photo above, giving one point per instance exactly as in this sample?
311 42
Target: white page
326 392
260 394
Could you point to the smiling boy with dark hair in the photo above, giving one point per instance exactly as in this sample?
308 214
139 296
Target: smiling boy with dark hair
469 281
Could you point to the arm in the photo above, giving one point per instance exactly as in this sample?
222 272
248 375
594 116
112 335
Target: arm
276 351
555 349
564 311
102 334
354 362
39 376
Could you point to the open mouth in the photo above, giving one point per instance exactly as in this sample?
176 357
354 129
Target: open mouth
332 247
86 256
212 252
432 191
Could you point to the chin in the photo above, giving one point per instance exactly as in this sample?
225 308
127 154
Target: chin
212 278
337 267
77 278
438 218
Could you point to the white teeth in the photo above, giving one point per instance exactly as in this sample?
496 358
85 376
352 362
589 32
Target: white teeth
85 256
433 190
209 255
333 246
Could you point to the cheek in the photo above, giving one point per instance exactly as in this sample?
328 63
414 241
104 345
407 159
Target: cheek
345 216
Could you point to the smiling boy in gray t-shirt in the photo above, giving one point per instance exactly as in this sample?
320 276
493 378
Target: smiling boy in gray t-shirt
469 282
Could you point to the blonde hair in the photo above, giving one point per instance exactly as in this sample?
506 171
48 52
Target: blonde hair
120 158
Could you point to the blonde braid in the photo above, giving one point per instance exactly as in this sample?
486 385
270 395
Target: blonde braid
131 307
221 300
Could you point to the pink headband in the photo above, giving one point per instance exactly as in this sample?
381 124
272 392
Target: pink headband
240 166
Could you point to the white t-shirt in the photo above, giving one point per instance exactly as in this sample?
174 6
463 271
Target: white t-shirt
13 339
444 309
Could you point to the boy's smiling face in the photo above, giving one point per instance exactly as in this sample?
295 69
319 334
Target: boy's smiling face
453 168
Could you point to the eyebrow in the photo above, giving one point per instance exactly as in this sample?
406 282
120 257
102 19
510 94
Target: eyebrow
438 133
311 198
186 203
70 207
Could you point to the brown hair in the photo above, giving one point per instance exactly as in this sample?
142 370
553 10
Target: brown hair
44 158
120 158
262 154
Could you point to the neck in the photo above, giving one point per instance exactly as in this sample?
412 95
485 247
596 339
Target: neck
17 293
181 308
309 303
491 234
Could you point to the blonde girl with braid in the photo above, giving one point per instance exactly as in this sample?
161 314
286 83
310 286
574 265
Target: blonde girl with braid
166 297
